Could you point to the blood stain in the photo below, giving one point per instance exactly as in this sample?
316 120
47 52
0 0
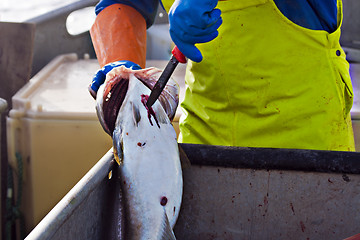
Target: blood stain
150 110
302 226
292 208
163 201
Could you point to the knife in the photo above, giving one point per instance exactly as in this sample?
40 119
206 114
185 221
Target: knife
176 57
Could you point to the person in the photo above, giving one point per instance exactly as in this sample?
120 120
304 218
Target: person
262 73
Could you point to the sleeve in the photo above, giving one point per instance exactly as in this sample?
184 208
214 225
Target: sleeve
147 8
312 14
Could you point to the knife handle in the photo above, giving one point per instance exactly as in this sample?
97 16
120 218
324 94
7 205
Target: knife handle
178 55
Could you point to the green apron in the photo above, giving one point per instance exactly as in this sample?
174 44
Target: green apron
267 82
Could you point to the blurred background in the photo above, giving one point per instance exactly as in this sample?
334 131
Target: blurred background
23 10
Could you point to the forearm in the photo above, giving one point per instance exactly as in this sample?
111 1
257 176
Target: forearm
147 8
119 33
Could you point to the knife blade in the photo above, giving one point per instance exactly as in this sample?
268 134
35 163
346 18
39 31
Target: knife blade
176 57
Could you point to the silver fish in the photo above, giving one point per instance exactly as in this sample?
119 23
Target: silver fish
145 146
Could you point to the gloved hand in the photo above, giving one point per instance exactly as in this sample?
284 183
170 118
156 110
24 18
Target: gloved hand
100 75
191 22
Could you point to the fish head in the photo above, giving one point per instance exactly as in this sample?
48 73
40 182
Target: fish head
112 93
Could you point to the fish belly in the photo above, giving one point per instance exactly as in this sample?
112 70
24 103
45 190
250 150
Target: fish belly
150 167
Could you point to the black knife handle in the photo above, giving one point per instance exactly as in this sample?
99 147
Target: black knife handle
163 79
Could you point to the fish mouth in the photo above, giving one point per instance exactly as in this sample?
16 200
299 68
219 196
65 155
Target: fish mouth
114 94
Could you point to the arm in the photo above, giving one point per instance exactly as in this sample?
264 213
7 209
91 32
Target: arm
119 35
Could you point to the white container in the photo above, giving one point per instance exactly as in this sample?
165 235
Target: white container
53 125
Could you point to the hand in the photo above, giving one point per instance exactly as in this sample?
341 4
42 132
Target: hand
191 22
100 75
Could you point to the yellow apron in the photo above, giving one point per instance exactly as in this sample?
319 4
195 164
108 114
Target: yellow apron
267 82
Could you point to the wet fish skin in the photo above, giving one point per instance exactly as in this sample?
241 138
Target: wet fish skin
147 150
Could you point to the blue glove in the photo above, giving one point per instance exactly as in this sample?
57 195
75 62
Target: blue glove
191 22
100 75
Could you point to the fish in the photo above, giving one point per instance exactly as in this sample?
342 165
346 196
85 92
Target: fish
146 149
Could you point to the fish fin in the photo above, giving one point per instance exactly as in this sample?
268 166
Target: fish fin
185 161
162 118
136 114
168 233
118 146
